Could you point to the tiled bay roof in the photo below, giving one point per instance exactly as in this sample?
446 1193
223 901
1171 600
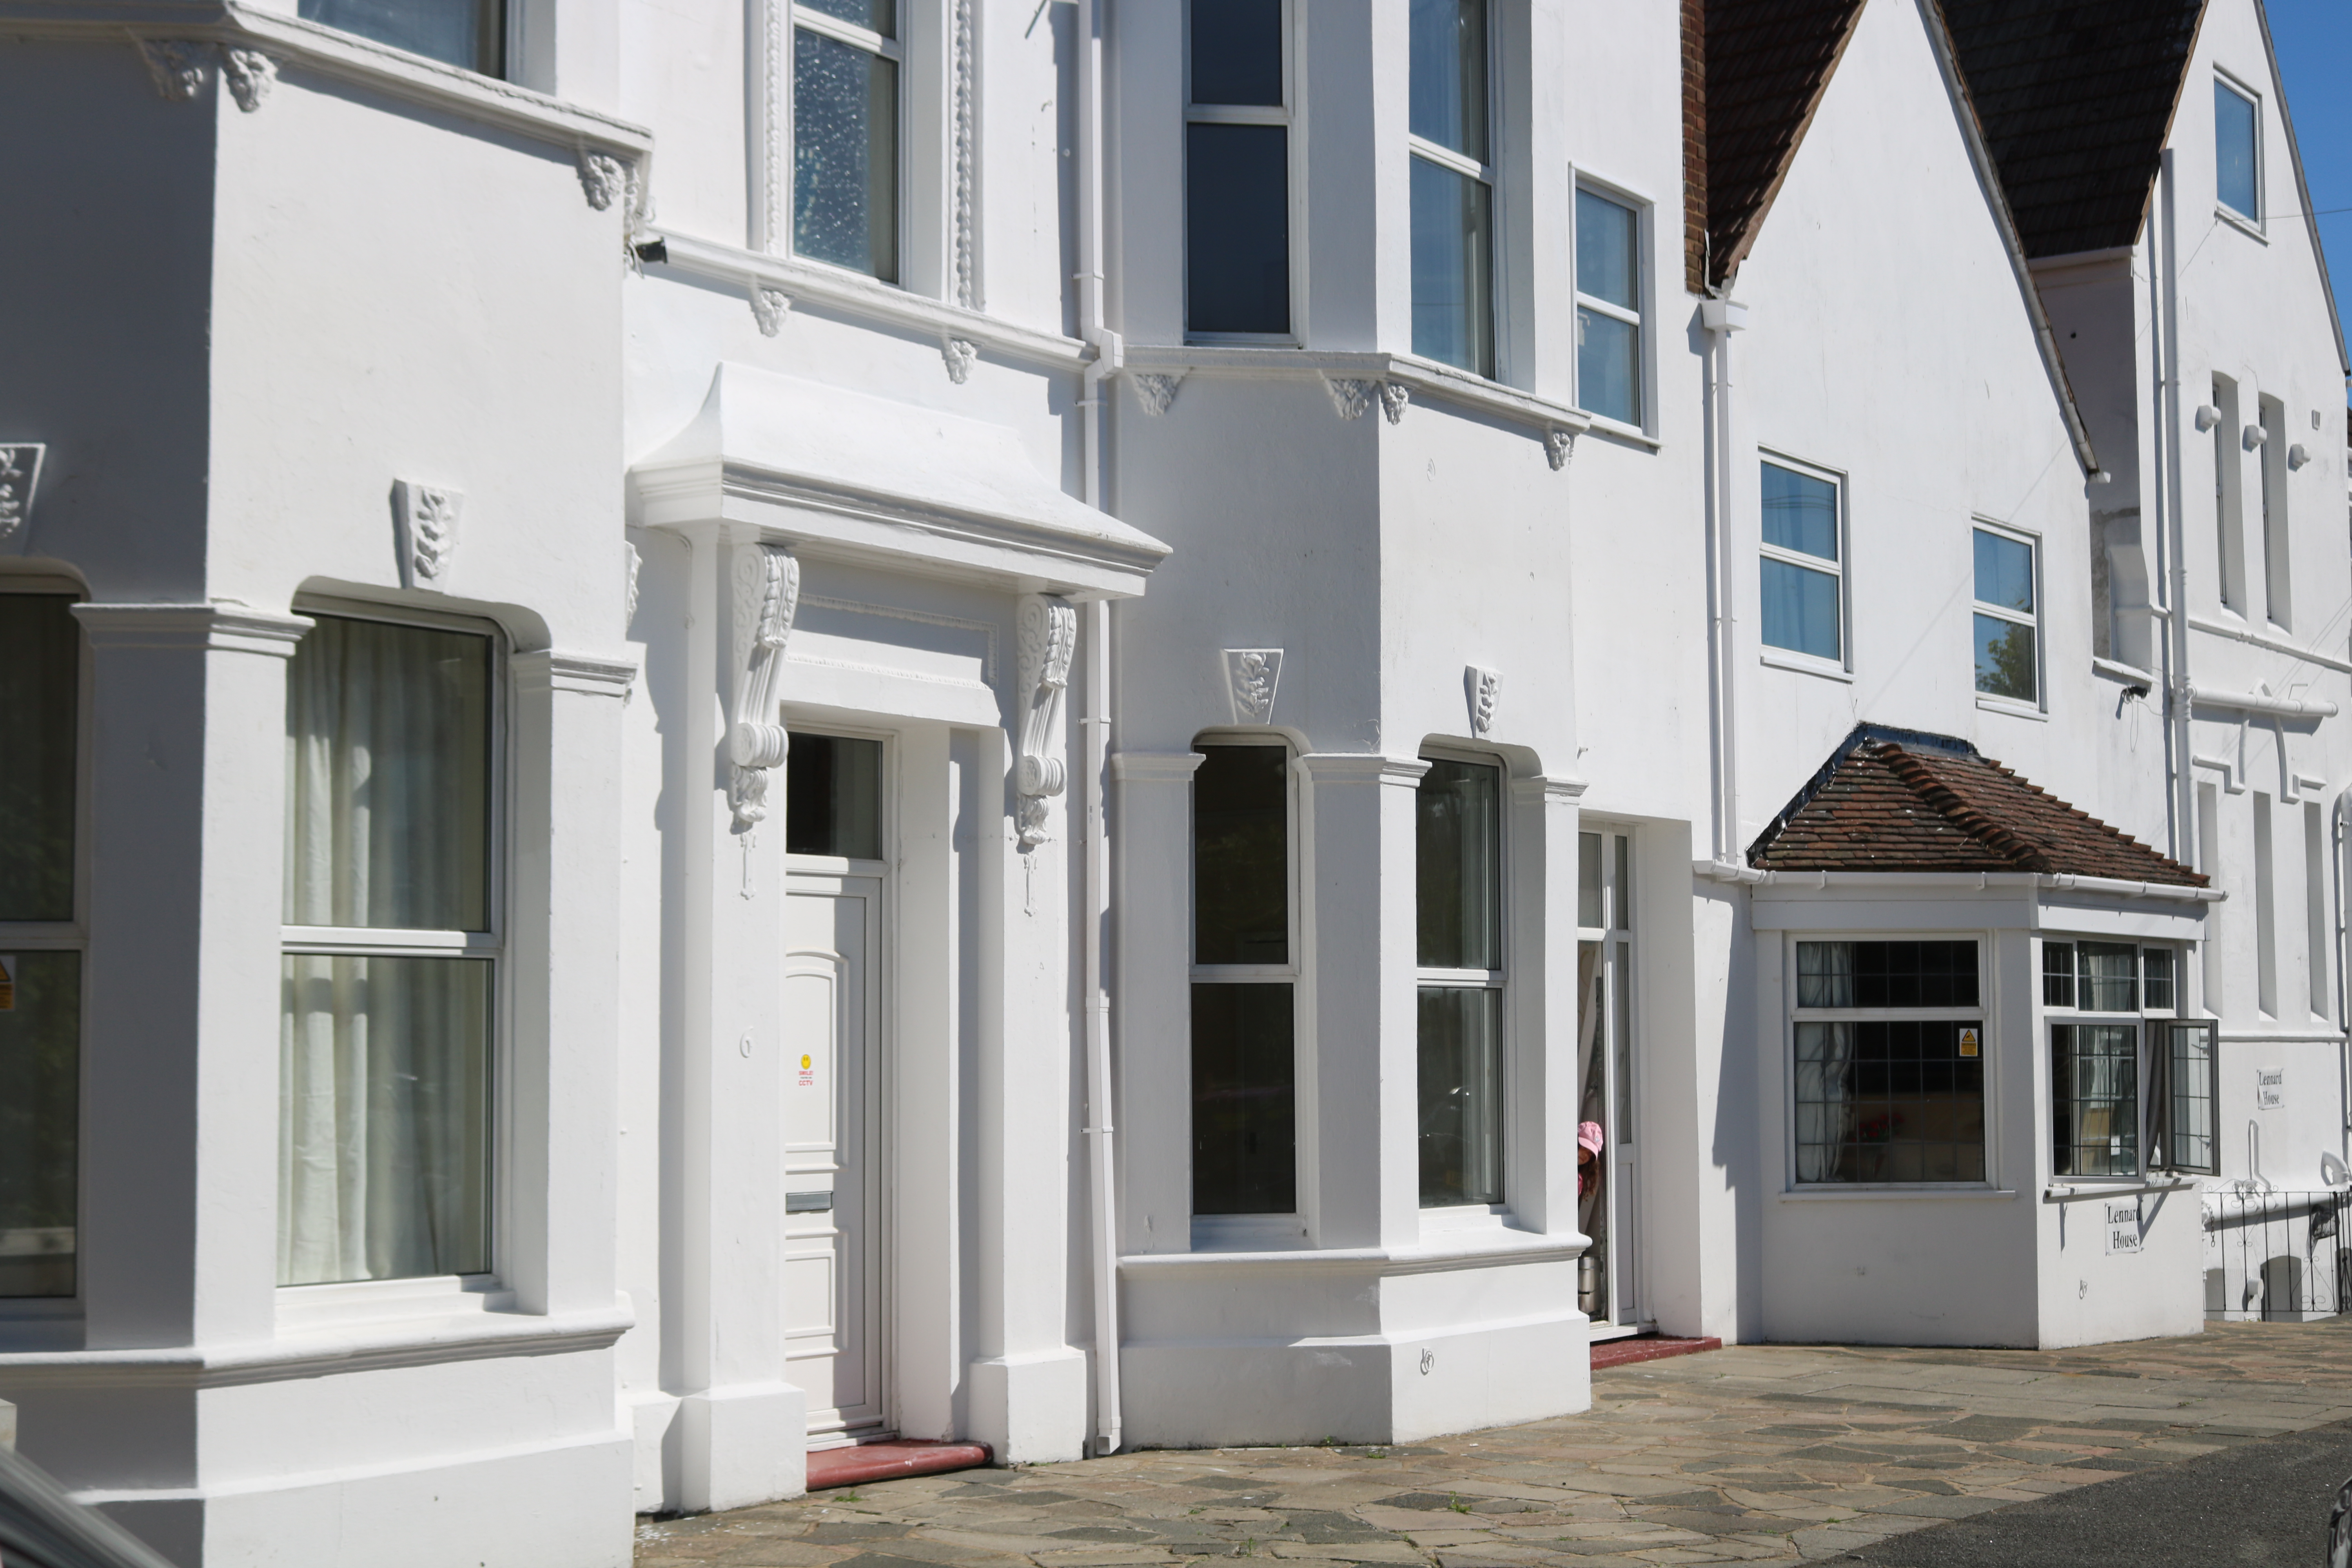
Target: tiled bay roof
1891 801
2076 96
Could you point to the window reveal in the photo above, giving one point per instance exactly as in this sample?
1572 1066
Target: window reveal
1245 1060
1889 1099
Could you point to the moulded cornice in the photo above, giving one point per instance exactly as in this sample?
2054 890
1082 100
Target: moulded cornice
1552 789
1364 767
587 674
1155 767
1474 1249
290 40
230 626
1396 374
802 284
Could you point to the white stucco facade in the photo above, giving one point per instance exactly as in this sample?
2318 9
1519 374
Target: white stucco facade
814 1121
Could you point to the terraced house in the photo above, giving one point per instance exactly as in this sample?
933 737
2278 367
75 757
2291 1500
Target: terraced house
738 728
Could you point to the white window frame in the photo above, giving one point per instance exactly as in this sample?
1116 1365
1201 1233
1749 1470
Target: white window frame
2040 706
2152 1036
1453 1215
2253 224
1988 956
1490 174
1645 212
1288 117
299 1303
1622 1086
1841 668
795 18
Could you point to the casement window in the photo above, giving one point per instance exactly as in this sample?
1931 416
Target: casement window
1802 575
2114 1031
2270 459
1609 352
2237 150
1889 1057
1245 1062
1453 193
846 59
40 942
1458 887
469 34
1237 171
2007 616
390 972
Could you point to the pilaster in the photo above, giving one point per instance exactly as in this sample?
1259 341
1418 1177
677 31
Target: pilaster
1151 1000
1539 1144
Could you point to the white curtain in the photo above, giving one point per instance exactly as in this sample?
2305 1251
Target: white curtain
1824 1097
385 1061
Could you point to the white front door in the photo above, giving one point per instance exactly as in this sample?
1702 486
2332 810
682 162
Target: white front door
832 1296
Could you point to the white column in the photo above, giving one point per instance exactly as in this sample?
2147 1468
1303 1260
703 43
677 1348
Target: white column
1152 1004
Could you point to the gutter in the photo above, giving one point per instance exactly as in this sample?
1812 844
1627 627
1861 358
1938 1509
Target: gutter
1954 881
2259 702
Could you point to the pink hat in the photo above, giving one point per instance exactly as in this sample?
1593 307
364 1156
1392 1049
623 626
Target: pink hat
1589 1137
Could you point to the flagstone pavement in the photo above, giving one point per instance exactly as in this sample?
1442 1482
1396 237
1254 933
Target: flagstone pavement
1757 1453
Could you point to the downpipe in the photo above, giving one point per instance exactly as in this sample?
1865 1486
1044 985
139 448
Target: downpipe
1720 316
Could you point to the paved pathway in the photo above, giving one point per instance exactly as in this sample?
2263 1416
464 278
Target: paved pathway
1765 1453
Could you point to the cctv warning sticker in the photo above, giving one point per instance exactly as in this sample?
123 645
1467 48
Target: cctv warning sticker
1970 1043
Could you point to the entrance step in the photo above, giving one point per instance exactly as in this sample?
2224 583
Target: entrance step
890 1461
1606 1353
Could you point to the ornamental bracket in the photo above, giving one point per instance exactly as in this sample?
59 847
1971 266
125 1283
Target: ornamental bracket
1049 635
767 583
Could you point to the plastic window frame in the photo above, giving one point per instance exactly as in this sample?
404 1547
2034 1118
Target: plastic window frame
1286 116
2255 224
1795 659
1640 317
1496 980
2154 1035
1489 175
2040 703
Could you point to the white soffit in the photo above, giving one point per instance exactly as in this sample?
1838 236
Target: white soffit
870 477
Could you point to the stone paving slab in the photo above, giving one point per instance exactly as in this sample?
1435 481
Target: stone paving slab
1753 1454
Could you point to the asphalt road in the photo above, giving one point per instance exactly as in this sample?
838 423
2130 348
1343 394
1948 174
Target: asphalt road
2263 1500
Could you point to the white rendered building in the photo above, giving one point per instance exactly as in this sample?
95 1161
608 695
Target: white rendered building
731 729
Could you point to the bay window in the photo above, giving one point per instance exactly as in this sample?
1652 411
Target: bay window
846 59
1237 171
40 944
389 974
1245 1062
2131 1086
1459 909
1453 189
468 34
1890 1051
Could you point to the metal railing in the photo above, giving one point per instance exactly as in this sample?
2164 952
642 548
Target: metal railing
2277 1257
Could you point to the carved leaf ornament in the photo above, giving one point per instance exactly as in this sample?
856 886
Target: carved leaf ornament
1047 635
767 595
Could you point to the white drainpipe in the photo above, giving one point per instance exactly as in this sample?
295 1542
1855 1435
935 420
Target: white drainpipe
1721 317
1095 918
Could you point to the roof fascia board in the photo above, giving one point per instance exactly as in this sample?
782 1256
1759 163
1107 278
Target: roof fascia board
2301 187
1964 111
1737 251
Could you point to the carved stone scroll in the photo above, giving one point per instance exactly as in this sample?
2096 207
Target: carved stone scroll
1047 635
1484 688
1252 674
767 583
425 532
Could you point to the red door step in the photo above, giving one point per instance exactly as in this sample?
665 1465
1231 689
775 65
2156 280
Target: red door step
1624 1353
890 1461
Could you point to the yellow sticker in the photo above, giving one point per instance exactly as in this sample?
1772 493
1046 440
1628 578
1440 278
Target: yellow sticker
8 982
805 1063
1968 1042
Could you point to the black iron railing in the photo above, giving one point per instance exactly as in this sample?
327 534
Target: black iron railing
2277 1257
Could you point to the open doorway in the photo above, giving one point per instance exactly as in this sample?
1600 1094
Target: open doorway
1607 1168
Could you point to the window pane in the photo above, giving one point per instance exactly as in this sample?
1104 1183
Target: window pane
879 15
1589 912
470 34
2004 571
1449 74
1240 856
1245 1124
2110 976
2233 150
2156 972
40 1077
1237 228
1238 51
1801 609
384 1119
2005 665
1825 974
844 155
1624 885
2095 1099
1609 366
40 685
1915 974
1608 251
1459 850
833 797
2191 1129
1888 1102
2057 975
1800 513
388 777
1453 318
1461 1096
1620 1031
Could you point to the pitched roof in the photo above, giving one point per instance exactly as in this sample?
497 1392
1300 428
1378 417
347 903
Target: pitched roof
1891 800
2076 96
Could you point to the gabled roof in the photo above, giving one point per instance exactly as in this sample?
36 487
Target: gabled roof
1894 800
2076 96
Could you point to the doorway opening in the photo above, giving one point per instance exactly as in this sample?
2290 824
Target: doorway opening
1609 1284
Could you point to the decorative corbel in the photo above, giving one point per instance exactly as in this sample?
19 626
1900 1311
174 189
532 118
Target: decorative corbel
425 532
1483 687
20 471
1048 633
1350 395
1252 674
1156 392
1393 398
632 563
176 66
959 353
766 595
1559 447
603 178
769 308
250 74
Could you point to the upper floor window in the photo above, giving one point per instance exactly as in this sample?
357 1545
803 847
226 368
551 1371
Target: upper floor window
1244 1063
1889 1062
2008 661
1452 186
390 954
40 944
1608 308
471 34
845 59
1237 171
2237 150
1803 570
1458 842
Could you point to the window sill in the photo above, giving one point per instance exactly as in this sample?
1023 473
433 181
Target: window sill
1617 430
1858 1193
1804 666
2013 709
1418 376
2088 1190
307 1309
1247 1232
2248 227
2130 675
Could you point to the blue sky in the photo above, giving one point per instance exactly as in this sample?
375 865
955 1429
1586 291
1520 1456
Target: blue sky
2315 49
